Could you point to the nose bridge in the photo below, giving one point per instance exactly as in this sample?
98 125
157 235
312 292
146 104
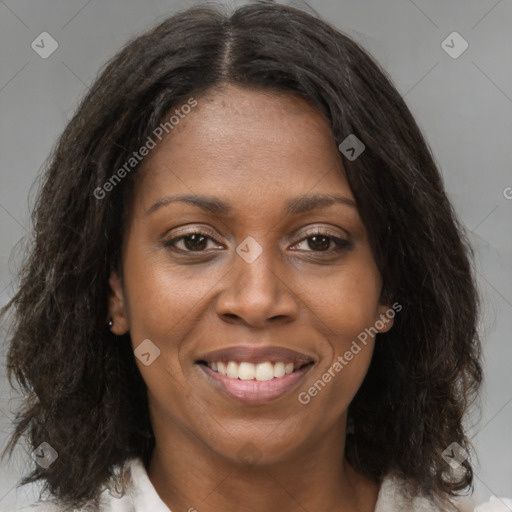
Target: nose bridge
255 266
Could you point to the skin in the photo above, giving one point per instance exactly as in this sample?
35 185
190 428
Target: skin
254 150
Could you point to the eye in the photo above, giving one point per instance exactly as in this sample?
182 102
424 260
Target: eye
320 241
317 241
195 241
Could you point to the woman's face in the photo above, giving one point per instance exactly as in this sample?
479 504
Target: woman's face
255 281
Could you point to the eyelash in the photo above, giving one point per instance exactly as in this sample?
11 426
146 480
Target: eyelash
341 244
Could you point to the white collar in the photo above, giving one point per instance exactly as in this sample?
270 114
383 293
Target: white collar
141 496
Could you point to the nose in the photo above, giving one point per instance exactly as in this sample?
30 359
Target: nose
255 293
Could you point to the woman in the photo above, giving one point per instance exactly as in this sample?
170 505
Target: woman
247 288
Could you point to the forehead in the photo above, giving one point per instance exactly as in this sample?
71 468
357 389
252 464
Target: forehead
239 141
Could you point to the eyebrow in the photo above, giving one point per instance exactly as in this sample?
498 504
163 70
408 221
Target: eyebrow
294 206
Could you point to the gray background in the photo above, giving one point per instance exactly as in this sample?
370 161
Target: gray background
463 105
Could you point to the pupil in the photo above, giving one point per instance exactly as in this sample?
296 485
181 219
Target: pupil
322 246
191 242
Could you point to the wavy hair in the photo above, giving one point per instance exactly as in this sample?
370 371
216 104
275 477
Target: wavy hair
83 393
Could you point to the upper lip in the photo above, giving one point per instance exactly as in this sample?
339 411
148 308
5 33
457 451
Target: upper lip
255 355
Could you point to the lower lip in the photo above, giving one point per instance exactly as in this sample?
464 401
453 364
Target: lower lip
255 391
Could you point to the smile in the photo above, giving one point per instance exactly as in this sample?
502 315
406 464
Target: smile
250 371
254 383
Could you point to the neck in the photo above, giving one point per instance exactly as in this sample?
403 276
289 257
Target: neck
189 476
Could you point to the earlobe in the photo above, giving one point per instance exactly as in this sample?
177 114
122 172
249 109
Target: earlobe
117 306
385 318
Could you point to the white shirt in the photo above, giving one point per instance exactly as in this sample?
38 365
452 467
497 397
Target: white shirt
141 496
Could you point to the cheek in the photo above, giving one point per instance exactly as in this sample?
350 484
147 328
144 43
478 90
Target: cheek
160 308
346 313
335 387
162 297
165 305
348 303
346 308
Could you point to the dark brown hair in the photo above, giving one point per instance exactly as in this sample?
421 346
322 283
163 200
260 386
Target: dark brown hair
84 393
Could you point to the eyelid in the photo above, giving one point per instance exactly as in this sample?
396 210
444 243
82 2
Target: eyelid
322 230
191 231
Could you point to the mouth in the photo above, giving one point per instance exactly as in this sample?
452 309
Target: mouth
254 374
262 383
248 371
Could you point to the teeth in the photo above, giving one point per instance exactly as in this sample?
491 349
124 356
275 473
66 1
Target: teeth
249 371
232 370
245 371
279 369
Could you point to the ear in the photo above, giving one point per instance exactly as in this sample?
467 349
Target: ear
117 306
385 316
